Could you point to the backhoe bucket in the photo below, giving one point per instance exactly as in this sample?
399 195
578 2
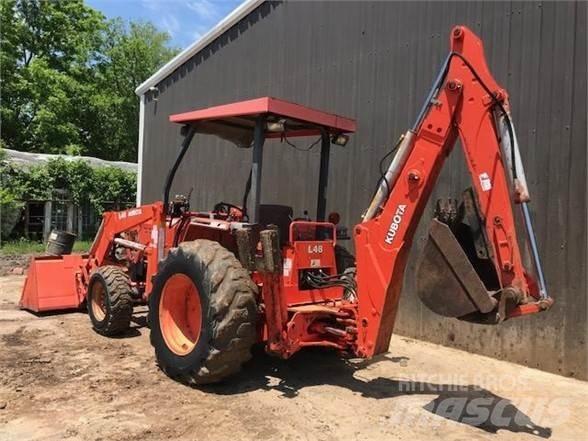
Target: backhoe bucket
447 283
52 283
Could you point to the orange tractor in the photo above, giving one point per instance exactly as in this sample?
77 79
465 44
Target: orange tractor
219 281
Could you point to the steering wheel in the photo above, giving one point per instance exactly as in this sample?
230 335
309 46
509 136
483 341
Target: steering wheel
227 209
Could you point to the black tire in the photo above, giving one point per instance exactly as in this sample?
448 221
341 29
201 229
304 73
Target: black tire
114 317
343 259
229 312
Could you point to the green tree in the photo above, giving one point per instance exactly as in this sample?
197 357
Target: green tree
68 77
47 52
132 52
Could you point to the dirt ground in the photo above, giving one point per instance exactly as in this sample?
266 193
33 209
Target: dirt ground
61 381
13 262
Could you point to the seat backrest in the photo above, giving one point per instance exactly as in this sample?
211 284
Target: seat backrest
279 215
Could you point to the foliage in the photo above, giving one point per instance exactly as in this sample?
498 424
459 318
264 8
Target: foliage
82 182
68 77
9 215
24 246
10 207
133 52
116 184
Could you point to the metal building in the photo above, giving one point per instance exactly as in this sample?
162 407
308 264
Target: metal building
375 61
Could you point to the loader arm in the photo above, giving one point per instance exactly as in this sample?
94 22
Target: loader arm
465 102
115 222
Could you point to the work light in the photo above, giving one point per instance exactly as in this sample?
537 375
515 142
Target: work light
340 139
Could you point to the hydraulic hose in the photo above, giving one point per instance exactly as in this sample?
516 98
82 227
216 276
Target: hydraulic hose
172 173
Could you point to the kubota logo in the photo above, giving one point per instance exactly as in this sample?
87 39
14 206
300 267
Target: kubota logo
391 234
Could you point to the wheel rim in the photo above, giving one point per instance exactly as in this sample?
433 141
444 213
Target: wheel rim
180 314
98 301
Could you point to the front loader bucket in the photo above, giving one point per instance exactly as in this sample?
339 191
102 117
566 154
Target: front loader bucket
447 283
52 283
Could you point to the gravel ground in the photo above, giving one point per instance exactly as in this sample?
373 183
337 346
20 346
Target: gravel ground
61 381
14 263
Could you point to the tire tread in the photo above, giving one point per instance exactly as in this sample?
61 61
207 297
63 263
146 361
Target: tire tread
118 289
233 311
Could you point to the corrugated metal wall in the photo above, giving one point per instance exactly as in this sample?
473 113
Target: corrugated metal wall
375 61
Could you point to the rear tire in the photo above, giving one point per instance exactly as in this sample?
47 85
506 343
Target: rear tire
110 301
215 338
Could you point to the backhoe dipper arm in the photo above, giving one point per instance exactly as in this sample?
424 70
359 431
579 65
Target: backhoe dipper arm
467 102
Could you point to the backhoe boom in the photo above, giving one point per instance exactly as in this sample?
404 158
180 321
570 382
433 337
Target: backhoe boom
464 102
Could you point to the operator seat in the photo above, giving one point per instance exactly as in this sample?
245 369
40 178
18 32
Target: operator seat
279 215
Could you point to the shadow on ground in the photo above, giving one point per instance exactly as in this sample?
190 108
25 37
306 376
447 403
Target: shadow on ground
469 404
137 327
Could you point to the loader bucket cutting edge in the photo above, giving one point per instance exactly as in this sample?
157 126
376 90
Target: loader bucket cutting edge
51 283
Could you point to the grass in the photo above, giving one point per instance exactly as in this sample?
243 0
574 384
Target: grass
23 246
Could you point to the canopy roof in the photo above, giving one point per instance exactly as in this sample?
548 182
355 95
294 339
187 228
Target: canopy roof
236 121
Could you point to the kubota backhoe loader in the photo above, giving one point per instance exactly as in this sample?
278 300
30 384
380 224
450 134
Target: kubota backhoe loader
217 282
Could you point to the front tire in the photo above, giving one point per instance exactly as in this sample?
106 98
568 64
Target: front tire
110 301
202 313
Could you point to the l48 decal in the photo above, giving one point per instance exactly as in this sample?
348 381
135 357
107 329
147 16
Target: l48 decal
315 249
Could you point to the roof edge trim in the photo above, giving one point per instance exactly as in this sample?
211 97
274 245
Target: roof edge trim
167 69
